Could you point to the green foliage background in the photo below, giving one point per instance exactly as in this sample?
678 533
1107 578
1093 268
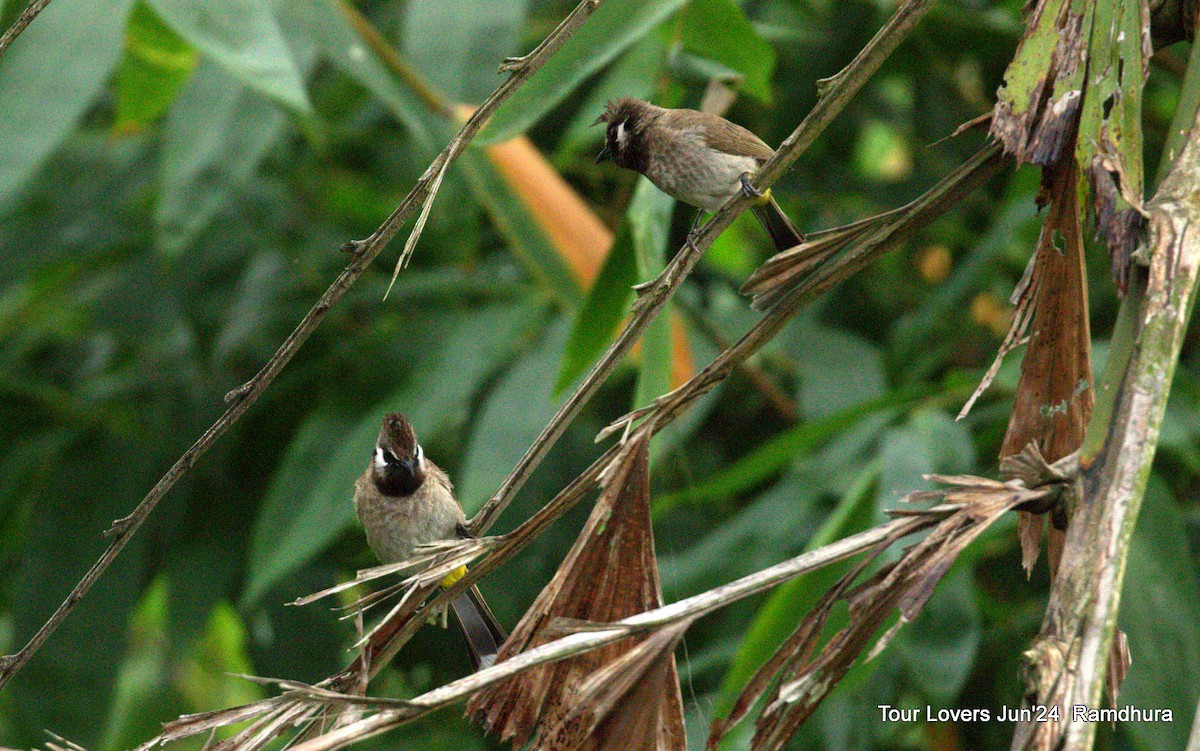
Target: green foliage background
176 177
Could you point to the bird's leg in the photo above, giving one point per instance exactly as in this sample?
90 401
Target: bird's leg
748 188
691 235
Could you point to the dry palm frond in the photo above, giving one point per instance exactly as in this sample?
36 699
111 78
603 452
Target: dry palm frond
969 506
610 573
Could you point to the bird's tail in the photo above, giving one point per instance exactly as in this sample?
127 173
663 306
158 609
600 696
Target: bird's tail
483 634
783 233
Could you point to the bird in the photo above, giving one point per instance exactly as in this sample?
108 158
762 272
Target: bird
404 500
695 157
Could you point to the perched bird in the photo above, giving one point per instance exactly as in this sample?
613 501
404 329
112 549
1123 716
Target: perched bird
698 158
404 500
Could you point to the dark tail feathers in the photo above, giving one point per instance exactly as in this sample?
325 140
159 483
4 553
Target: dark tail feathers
483 634
783 233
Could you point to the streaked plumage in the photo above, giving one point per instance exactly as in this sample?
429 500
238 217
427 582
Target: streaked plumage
405 500
695 157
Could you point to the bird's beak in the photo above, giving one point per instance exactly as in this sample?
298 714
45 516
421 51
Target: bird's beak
410 464
604 154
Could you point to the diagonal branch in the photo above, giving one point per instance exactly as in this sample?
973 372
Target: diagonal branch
31 11
836 92
363 253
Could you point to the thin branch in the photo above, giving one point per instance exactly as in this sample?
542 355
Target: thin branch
364 252
893 227
605 634
836 92
31 11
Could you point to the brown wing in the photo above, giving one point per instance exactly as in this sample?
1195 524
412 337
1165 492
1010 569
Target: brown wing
731 138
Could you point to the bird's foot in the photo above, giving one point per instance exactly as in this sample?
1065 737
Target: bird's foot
748 188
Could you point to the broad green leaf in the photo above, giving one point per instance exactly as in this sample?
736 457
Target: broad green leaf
49 77
607 33
650 224
91 488
606 305
326 23
635 74
789 602
216 134
939 647
1160 613
838 369
525 237
512 416
931 442
309 503
718 30
458 45
243 37
156 66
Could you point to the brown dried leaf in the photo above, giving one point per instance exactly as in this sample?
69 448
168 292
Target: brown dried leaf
610 573
1054 395
631 704
904 586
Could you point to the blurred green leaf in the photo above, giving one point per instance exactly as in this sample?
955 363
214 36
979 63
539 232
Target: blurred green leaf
930 442
772 455
243 37
157 64
635 256
1160 613
309 503
718 30
606 305
216 134
650 221
634 74
511 417
49 77
525 237
791 601
459 45
321 22
939 647
838 369
611 30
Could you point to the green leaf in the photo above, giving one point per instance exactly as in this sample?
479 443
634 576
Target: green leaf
525 237
216 134
781 450
321 23
243 38
931 442
611 30
789 602
1160 613
938 649
605 306
635 256
718 30
309 503
650 221
157 64
49 77
513 415
458 45
838 369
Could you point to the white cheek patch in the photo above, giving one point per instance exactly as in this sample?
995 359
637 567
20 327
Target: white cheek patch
420 457
380 462
621 135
